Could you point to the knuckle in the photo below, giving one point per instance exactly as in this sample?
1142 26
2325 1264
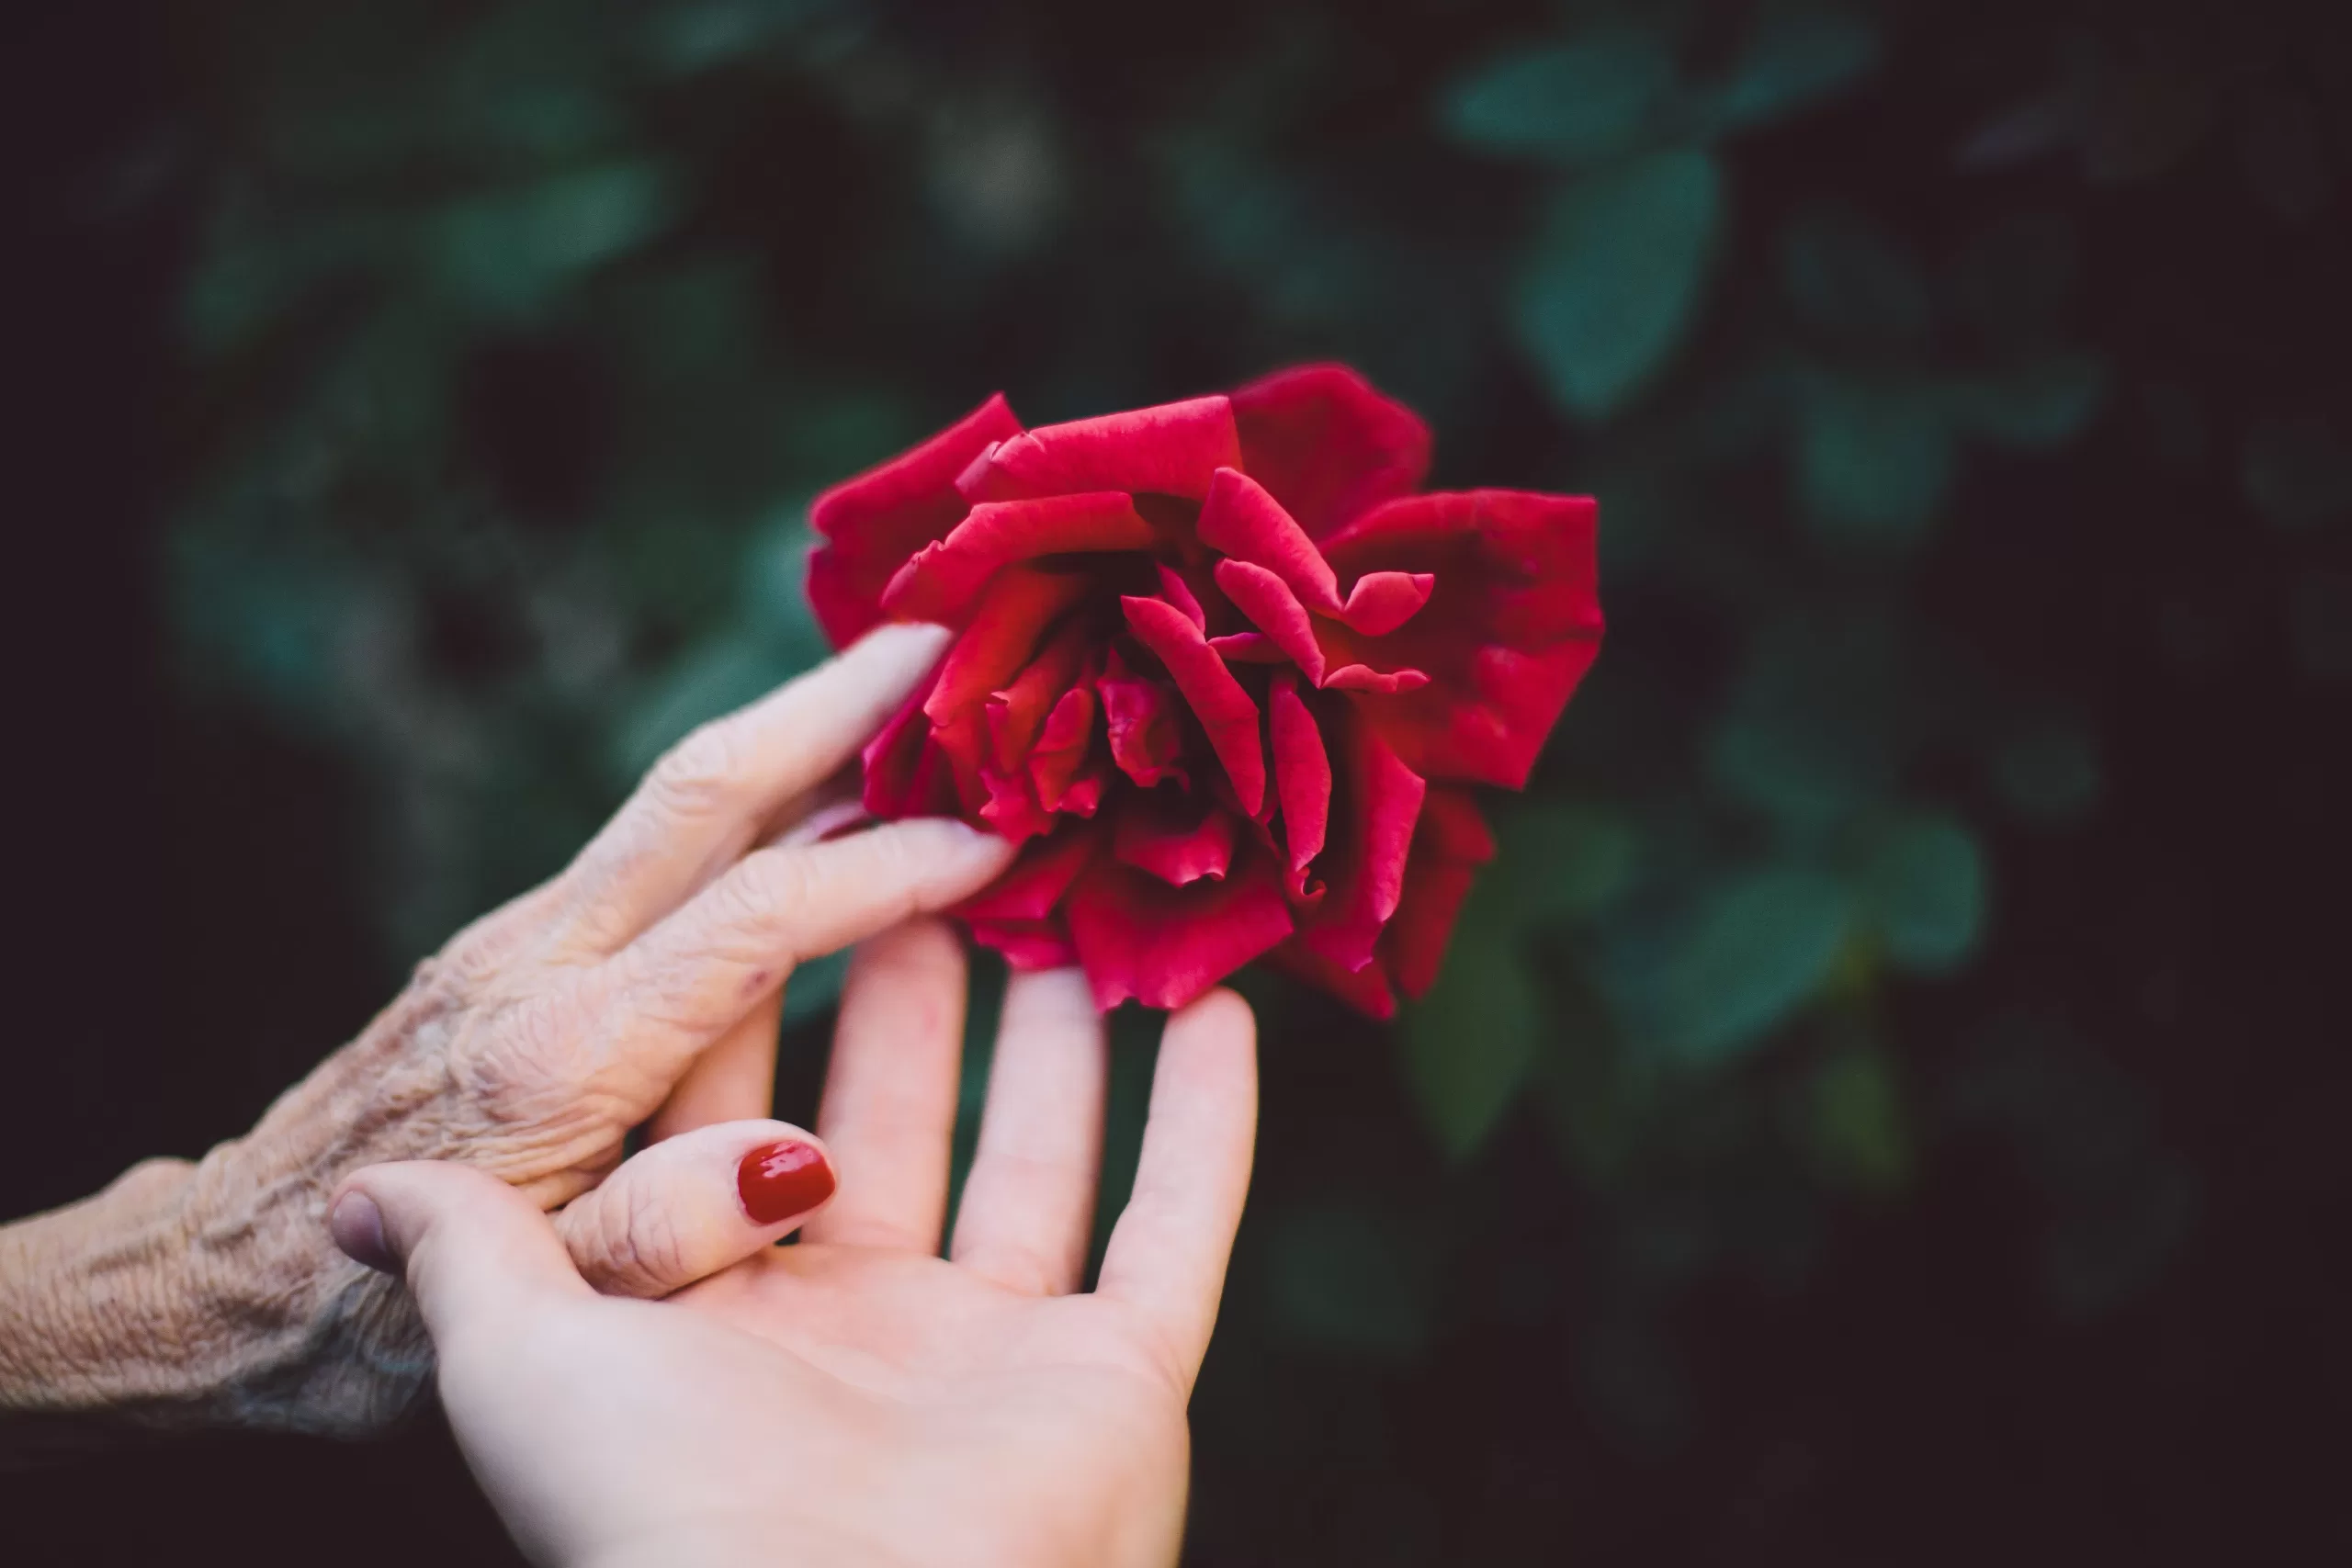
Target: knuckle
701 775
639 1250
764 890
1022 1270
536 1059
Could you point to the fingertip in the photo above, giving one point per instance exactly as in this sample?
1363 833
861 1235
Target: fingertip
784 1178
916 643
358 1227
954 857
1222 1011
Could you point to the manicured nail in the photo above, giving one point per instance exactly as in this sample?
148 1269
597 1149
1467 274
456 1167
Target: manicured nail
780 1181
358 1227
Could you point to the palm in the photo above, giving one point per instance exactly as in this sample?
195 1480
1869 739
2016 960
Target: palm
919 1330
1052 1406
984 1370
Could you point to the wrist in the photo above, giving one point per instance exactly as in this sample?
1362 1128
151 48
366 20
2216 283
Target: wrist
200 1294
87 1298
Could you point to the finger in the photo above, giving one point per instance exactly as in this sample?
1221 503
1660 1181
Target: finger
889 1107
1168 1253
732 1081
713 794
473 1250
692 977
680 1210
1029 1202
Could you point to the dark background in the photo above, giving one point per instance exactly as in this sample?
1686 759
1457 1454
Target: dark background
1886 1105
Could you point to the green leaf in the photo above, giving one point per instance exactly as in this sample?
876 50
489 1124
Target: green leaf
2041 404
1343 1277
1615 274
1816 728
701 35
1923 889
1795 60
1471 1041
1562 860
1574 103
1846 278
1872 462
1856 1126
507 251
1757 949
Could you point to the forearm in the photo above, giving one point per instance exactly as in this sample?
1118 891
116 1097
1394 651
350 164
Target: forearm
192 1294
90 1326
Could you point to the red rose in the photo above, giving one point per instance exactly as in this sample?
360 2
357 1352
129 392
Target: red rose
1222 669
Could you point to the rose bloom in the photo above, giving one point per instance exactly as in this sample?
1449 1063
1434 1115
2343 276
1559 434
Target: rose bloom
1223 671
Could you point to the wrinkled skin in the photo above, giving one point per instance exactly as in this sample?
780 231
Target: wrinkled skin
858 1399
1222 670
642 983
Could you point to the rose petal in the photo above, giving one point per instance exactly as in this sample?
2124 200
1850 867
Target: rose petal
1453 826
1244 522
1165 946
1363 678
1141 716
1383 601
1215 698
1176 837
895 782
1012 808
873 523
1302 778
1326 445
1366 989
1248 648
962 744
1511 625
1016 715
1380 800
943 577
1062 747
1028 945
1172 449
1179 592
1005 628
1267 600
1084 796
1451 843
1035 883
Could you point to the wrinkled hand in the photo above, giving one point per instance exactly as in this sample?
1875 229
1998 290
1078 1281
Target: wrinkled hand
642 982
857 1399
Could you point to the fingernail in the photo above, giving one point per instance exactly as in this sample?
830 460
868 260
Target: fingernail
358 1227
779 1180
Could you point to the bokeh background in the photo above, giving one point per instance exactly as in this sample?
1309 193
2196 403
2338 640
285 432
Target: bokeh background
1886 1104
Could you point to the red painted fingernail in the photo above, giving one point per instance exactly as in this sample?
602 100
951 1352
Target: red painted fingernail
779 1180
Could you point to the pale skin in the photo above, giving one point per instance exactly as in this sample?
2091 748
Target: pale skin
642 983
857 1399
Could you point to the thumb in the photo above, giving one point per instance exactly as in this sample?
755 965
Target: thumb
683 1209
472 1247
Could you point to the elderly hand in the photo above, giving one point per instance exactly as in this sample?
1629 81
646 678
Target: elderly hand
856 1399
643 981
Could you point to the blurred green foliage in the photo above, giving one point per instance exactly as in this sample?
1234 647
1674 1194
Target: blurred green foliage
524 330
